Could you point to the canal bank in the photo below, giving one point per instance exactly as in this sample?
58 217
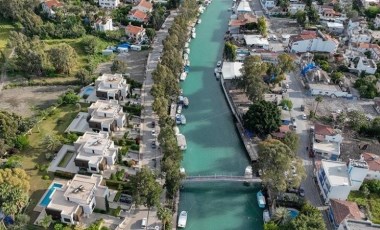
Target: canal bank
213 143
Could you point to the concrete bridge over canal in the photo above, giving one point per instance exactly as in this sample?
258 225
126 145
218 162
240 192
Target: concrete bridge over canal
220 178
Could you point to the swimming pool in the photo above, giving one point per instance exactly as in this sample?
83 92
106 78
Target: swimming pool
88 91
46 200
293 212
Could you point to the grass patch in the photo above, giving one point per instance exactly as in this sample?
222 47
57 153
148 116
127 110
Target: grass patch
372 203
65 160
35 154
5 28
117 196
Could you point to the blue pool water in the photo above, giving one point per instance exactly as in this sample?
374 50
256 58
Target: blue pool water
293 212
88 91
46 200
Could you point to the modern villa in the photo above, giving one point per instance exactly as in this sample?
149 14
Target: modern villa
111 87
106 116
77 198
95 151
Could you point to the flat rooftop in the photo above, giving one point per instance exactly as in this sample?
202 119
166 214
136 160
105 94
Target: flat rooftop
79 124
58 202
82 187
329 147
337 172
324 87
361 225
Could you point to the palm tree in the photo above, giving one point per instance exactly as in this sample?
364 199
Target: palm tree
281 215
165 215
51 142
318 99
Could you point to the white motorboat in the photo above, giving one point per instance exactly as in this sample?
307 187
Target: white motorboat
248 171
182 219
185 57
187 50
181 142
180 99
181 92
183 119
179 109
193 30
186 101
178 119
182 170
183 76
199 21
266 216
176 130
187 45
187 62
219 64
194 35
189 40
261 199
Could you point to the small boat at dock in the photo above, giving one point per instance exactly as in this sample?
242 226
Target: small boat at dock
183 76
187 50
179 109
183 119
193 30
260 199
185 101
266 216
199 21
178 119
194 35
182 219
248 172
181 142
187 45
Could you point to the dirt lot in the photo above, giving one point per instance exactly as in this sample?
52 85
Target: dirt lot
22 100
329 105
136 62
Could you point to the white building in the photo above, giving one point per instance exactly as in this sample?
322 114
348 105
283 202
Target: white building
257 41
103 24
294 7
333 180
144 6
109 4
231 70
49 6
106 116
77 198
359 35
95 152
327 90
335 27
243 7
312 41
268 3
373 162
358 170
326 142
111 87
356 23
366 65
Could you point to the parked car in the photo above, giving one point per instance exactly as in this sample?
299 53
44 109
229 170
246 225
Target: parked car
304 116
301 192
153 124
302 108
153 132
154 144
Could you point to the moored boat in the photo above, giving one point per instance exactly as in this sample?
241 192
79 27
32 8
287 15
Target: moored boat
182 219
179 109
248 171
194 35
183 76
185 101
183 119
199 21
178 119
266 216
260 199
187 50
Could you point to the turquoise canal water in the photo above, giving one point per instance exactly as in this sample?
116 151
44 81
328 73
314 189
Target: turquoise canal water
213 144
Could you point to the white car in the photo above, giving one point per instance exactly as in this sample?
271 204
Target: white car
287 85
304 116
153 132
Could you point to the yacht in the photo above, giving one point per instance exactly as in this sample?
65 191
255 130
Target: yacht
178 119
248 172
187 50
194 35
260 199
186 101
179 109
183 76
182 219
266 216
183 119
199 21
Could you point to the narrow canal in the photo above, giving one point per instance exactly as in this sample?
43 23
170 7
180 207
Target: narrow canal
213 144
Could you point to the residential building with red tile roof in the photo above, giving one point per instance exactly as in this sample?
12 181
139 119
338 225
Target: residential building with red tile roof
373 162
144 6
48 6
312 41
341 210
326 142
135 32
240 21
282 130
138 16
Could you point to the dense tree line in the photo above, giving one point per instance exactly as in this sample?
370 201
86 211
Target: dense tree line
166 88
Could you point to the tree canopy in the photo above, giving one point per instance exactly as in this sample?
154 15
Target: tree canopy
291 139
119 66
262 26
288 172
262 118
230 51
63 57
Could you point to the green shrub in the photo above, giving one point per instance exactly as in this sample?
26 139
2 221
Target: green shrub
135 147
64 175
45 177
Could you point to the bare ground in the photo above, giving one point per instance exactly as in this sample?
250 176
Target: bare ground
22 100
136 62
